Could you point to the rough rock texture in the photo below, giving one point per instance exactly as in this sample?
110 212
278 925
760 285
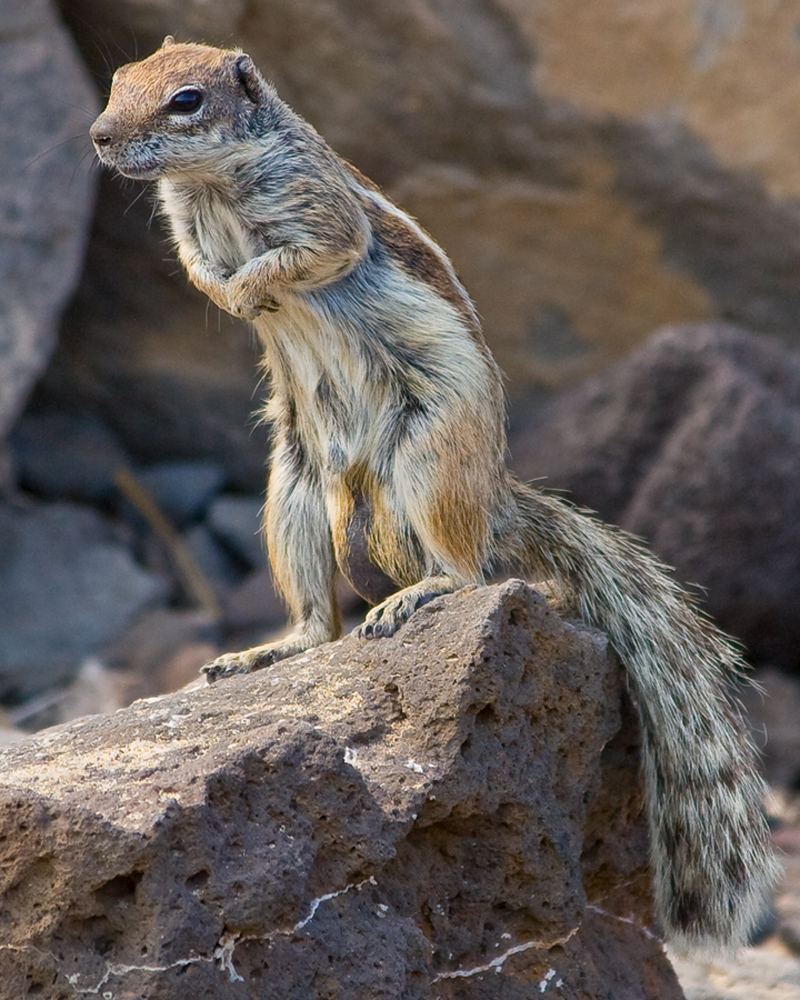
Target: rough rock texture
68 587
452 813
45 190
594 175
692 442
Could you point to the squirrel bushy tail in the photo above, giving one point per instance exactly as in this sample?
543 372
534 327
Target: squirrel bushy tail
712 862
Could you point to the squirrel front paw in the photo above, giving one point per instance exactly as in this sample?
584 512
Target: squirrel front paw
252 310
244 310
247 299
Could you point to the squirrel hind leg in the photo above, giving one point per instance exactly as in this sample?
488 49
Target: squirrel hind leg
385 619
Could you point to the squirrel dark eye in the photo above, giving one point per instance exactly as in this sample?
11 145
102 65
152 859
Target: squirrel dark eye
184 102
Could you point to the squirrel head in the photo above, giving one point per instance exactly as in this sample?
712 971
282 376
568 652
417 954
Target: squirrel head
173 111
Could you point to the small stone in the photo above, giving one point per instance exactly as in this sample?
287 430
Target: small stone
237 522
182 490
155 637
184 666
214 560
789 932
254 604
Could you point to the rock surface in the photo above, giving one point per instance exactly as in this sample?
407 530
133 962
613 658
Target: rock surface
691 442
452 813
592 176
182 490
45 190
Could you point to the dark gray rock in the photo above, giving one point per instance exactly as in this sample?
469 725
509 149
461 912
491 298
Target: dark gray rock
67 588
237 522
64 455
213 559
182 489
449 813
8 473
692 442
46 190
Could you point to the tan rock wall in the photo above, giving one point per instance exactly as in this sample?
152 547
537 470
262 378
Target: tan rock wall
728 69
571 278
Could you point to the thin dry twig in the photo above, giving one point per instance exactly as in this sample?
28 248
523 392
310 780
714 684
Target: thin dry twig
193 579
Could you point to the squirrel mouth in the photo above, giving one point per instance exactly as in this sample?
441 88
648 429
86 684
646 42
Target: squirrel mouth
138 173
129 168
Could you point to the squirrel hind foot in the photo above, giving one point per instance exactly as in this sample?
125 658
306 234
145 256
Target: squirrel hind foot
244 662
305 636
385 619
249 660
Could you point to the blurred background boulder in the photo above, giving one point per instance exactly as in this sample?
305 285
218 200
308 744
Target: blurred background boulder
46 105
692 442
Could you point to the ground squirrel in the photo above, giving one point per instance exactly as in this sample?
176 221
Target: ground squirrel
388 461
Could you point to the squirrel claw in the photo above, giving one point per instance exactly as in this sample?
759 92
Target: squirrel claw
385 619
246 311
252 310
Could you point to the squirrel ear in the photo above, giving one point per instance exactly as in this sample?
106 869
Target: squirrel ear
168 40
251 80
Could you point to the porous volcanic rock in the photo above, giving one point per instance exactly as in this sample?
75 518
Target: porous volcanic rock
450 813
692 443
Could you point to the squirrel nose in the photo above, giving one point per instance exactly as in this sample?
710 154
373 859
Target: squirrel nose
102 131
